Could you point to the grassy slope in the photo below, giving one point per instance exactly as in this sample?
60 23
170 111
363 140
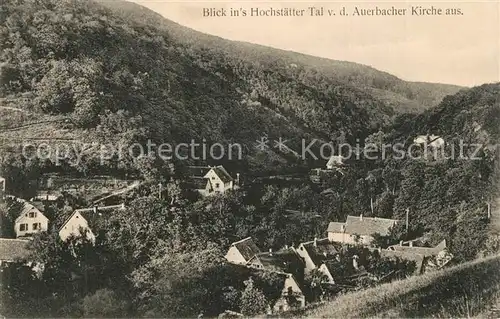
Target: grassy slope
464 290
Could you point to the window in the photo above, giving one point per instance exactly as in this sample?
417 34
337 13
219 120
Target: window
23 227
217 185
32 214
37 226
213 177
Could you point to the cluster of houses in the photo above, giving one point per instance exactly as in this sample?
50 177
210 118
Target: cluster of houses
292 264
323 255
206 180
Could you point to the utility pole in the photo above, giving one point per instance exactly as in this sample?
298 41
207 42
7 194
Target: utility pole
407 218
160 186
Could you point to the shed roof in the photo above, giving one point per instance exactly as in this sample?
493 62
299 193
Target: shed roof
13 249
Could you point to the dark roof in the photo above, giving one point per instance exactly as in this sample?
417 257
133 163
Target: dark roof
417 258
198 171
284 260
38 205
322 251
247 248
26 208
13 249
198 182
223 174
335 227
424 251
93 214
368 225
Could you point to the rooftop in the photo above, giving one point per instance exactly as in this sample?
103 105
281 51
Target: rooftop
322 250
13 249
246 247
424 251
222 173
335 227
92 214
361 225
284 260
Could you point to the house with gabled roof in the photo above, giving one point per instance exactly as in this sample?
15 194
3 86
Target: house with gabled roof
429 140
317 254
30 220
240 252
211 180
335 161
292 295
316 251
84 222
360 229
285 260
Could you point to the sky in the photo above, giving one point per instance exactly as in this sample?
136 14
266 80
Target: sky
457 49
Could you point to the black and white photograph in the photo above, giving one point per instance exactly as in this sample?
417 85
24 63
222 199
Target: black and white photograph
249 159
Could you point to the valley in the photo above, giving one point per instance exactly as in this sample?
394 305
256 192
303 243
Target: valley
95 224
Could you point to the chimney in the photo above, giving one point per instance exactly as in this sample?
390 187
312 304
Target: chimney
270 251
361 217
411 243
400 243
379 250
286 246
95 209
315 241
123 206
238 179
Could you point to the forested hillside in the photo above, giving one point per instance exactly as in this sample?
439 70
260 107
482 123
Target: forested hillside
99 67
112 72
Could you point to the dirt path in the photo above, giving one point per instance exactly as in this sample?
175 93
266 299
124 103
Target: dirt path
13 109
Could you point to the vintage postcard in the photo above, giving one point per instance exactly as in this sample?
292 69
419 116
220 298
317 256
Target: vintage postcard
226 159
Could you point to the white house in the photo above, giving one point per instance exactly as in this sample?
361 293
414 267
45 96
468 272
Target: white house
30 221
242 251
335 161
291 295
317 251
429 140
83 220
319 254
359 229
212 180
